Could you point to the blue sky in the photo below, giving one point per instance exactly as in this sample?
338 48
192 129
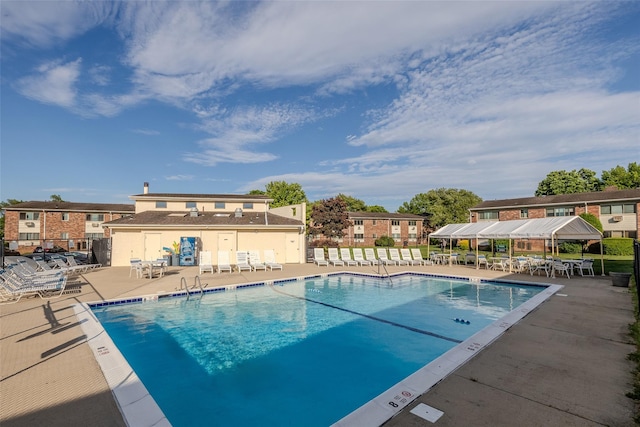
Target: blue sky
377 100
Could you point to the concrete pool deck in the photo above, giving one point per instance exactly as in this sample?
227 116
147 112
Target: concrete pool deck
564 364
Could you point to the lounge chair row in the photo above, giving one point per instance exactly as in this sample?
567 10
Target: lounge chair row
245 261
368 256
16 282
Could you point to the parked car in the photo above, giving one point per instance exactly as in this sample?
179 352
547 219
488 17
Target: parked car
11 252
54 249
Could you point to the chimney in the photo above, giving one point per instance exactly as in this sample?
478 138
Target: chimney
146 188
238 213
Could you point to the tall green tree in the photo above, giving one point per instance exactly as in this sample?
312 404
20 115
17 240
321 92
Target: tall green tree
621 177
330 218
442 206
56 198
592 219
353 204
563 182
285 194
376 208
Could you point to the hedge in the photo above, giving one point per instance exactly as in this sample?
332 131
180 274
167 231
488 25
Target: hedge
618 246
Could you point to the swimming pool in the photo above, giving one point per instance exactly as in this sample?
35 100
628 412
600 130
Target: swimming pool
302 351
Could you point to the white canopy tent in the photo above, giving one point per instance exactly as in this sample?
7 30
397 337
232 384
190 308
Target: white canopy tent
554 229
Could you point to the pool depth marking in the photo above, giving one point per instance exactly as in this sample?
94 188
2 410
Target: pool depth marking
368 316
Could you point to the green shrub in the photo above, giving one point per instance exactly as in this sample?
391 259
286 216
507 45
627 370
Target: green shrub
385 241
570 247
592 219
618 246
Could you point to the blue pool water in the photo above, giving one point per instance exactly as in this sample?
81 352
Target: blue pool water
301 352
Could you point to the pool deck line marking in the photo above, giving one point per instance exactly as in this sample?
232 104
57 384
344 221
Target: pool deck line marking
368 316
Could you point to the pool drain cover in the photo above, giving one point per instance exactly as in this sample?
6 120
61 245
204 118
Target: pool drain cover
427 412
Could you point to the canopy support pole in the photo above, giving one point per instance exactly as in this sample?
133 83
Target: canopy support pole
601 257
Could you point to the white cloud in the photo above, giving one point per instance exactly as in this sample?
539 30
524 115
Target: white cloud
52 83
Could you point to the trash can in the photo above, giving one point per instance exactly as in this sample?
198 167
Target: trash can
620 279
167 259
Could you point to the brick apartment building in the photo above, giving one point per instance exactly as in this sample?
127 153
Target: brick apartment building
368 226
69 225
616 209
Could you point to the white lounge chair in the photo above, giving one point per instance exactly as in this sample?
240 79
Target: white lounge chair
382 256
254 261
394 255
205 262
370 256
405 254
334 258
270 260
242 261
14 285
224 264
358 256
71 260
345 256
417 256
318 257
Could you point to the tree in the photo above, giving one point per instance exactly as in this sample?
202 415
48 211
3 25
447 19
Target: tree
592 219
285 194
257 193
329 217
563 182
442 206
56 198
353 204
376 208
621 178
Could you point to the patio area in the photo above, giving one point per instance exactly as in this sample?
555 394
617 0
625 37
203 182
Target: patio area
563 364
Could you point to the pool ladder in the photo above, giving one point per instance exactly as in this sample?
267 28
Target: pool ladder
380 264
196 282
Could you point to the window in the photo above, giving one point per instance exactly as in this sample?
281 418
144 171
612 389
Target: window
375 236
358 222
488 215
65 216
95 217
31 216
29 236
160 204
190 205
64 236
91 236
219 205
395 236
374 222
413 236
395 222
412 223
524 213
247 205
358 237
560 212
617 209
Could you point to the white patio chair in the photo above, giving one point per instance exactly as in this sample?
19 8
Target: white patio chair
270 260
405 254
334 258
370 256
417 256
586 265
382 256
358 256
345 255
394 255
318 257
255 262
205 262
242 261
224 263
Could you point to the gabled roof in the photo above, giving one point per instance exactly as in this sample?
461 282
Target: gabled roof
213 219
609 196
563 227
257 198
72 207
